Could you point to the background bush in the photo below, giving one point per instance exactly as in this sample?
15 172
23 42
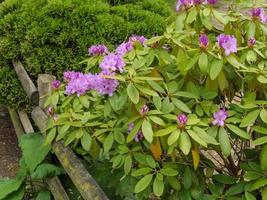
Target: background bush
52 36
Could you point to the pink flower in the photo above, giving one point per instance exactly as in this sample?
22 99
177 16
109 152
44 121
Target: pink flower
228 43
203 41
55 84
258 14
184 3
112 63
182 119
97 50
251 42
219 117
144 110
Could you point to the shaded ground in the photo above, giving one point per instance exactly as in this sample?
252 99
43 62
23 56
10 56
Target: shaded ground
9 150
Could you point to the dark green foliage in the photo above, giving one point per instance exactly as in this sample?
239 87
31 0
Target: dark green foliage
53 36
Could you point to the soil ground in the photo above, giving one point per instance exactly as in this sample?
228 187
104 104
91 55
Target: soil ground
9 150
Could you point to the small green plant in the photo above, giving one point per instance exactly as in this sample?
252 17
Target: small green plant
29 181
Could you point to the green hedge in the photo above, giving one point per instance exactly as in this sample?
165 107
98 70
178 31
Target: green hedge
51 36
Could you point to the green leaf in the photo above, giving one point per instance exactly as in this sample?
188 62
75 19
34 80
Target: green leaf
153 40
260 141
251 29
145 90
147 131
165 131
141 171
143 183
224 142
238 131
187 178
9 186
203 62
250 118
62 131
223 178
119 137
263 157
174 182
108 142
50 136
215 69
133 93
235 189
233 61
184 143
150 161
33 150
157 102
46 170
203 135
157 120
258 184
128 164
262 79
179 22
167 171
158 187
191 15
17 195
196 137
263 115
155 86
219 17
259 129
133 133
249 196
54 99
86 141
174 136
43 195
181 105
84 101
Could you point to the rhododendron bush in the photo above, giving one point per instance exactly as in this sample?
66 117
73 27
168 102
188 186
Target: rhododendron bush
178 116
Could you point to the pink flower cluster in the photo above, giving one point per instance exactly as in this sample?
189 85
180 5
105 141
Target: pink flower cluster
125 47
228 43
189 3
219 117
79 83
259 14
97 50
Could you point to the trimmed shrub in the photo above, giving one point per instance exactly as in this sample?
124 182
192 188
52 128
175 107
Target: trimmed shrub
52 36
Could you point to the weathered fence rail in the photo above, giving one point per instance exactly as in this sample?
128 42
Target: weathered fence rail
81 178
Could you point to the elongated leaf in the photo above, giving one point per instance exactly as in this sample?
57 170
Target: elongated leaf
43 195
224 142
157 120
174 136
158 187
250 118
238 131
165 131
147 131
258 184
249 196
196 137
187 180
84 101
263 115
260 141
263 157
203 62
167 171
184 143
181 105
50 136
143 183
86 141
108 142
196 157
141 171
203 135
133 93
62 131
128 164
134 131
46 170
215 69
